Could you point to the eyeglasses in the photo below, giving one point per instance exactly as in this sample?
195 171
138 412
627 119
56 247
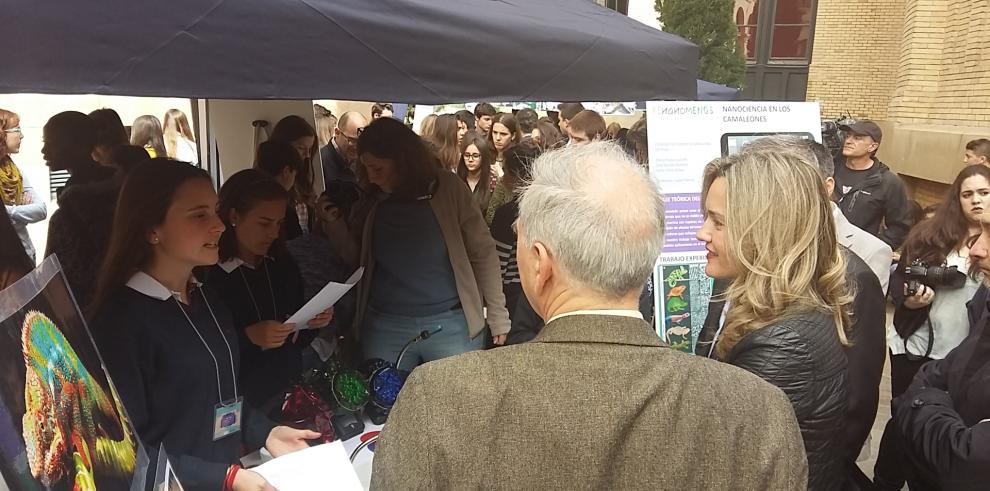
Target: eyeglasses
16 129
352 139
472 156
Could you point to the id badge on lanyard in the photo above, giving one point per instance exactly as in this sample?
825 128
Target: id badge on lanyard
227 418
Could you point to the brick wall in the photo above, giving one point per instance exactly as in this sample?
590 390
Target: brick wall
919 67
855 58
944 72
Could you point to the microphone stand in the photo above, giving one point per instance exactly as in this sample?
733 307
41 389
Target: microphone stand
424 334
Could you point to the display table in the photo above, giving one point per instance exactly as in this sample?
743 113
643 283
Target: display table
362 463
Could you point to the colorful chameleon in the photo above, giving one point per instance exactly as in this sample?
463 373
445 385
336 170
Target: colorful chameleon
676 275
677 291
677 304
70 425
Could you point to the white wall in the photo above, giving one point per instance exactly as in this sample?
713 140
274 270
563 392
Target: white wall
230 123
645 12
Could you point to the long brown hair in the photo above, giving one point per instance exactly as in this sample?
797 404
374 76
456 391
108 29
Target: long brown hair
932 240
415 164
288 130
175 124
445 139
242 192
487 159
145 198
147 132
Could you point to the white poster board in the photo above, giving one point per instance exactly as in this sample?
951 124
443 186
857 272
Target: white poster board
683 138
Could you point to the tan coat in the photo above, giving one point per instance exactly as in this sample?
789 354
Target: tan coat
594 402
472 257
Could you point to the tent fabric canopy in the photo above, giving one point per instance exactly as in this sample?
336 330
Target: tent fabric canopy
416 51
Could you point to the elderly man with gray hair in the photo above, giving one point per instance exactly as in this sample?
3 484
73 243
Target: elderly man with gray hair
596 401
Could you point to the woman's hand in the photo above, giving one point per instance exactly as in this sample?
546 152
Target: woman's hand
498 340
269 334
285 440
921 299
322 319
251 481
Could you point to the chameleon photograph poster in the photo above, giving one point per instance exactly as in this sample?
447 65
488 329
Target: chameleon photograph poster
683 137
62 425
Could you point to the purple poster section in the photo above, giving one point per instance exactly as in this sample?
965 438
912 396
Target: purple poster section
684 218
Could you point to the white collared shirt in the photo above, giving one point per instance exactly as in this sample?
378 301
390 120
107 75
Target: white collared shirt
613 312
146 284
231 265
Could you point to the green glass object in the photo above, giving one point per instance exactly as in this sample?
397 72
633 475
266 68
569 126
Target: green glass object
350 390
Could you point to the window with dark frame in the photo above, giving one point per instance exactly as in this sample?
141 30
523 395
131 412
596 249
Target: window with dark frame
747 14
791 36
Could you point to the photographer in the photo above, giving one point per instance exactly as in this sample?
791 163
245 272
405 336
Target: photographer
930 288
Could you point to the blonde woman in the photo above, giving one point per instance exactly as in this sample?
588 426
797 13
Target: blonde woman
180 144
768 229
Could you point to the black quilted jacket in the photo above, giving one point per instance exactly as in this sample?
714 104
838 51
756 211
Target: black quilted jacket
802 356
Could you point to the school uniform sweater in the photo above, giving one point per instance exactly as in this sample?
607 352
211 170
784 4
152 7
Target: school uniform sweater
271 291
168 380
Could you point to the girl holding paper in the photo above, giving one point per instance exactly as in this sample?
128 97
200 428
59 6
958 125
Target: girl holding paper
168 342
261 285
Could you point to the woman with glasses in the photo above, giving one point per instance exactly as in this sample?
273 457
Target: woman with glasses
475 167
930 318
23 203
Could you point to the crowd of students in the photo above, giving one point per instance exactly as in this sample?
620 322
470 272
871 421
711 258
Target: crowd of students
177 278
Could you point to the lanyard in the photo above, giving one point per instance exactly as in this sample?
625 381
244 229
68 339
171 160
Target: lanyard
230 355
271 291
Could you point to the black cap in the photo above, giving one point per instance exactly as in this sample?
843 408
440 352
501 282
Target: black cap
865 127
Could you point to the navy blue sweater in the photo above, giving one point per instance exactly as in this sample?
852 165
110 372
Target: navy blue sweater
265 374
167 380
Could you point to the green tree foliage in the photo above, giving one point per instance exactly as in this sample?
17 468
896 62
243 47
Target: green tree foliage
710 25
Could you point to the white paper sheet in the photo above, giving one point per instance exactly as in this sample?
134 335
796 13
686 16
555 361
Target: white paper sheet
327 297
324 467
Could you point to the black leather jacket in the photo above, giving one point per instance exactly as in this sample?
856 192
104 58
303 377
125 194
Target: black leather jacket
802 356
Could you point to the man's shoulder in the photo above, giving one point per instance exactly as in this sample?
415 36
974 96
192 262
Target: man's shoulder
481 374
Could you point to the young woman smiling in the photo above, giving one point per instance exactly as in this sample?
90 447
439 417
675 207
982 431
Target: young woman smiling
168 342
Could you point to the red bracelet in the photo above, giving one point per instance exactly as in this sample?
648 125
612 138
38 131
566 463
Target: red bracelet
228 483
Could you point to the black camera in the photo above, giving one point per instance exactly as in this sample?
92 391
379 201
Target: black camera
832 135
919 273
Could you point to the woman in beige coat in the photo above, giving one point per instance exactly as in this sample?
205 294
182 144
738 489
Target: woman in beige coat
430 263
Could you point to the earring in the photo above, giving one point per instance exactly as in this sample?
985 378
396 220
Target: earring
154 240
234 225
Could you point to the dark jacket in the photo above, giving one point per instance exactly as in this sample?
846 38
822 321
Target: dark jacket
879 199
167 380
335 166
245 291
802 356
79 231
942 418
865 354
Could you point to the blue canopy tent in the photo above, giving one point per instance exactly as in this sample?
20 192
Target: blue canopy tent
416 51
